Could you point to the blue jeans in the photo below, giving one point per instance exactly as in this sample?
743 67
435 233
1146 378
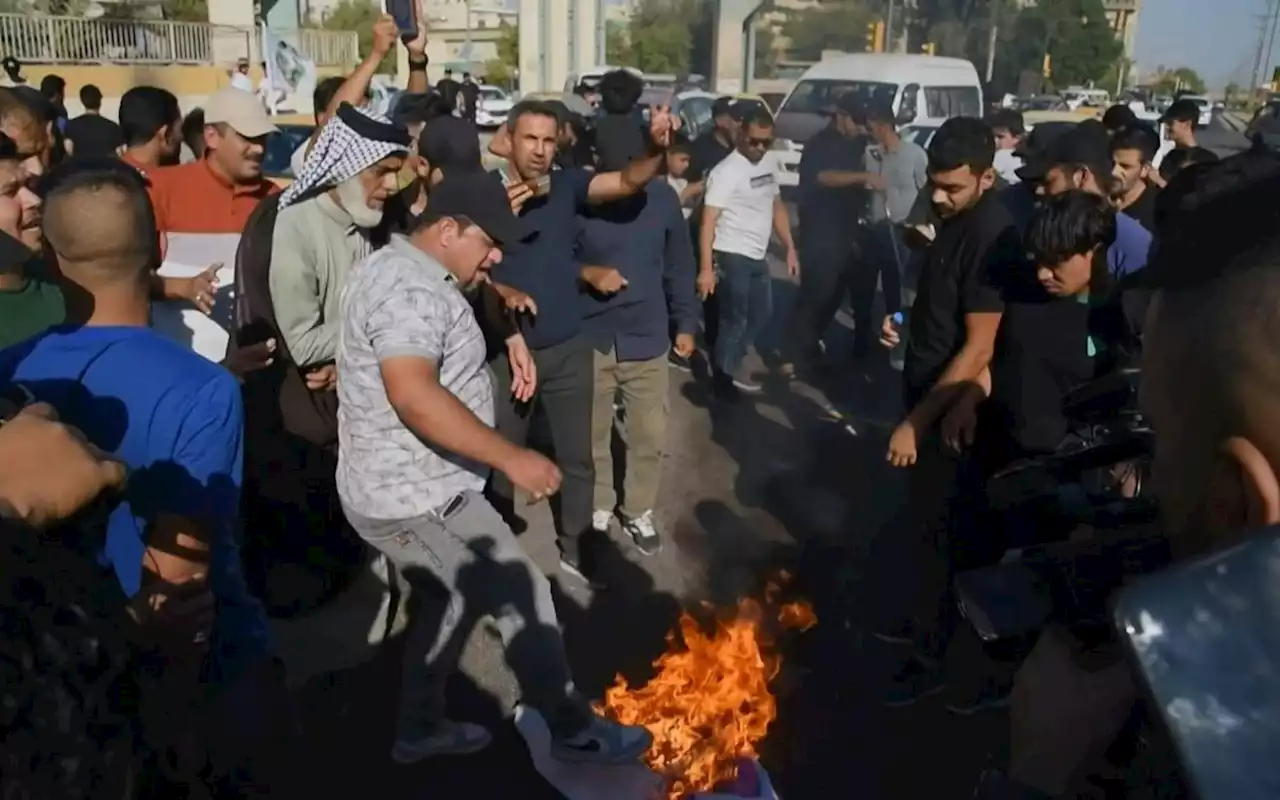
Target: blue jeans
746 303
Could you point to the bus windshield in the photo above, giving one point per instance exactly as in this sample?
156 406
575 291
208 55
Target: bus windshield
818 95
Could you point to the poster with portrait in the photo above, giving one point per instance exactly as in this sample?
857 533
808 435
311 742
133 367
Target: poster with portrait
288 70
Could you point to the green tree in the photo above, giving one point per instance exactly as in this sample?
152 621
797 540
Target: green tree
660 36
359 16
186 10
1182 79
1074 33
617 50
835 26
501 70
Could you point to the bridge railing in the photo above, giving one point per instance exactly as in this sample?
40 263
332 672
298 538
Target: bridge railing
75 40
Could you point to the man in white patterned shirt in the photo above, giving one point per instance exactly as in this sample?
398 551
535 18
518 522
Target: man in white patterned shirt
416 445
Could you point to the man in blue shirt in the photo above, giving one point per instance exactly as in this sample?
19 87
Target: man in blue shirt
172 416
637 259
546 268
1081 159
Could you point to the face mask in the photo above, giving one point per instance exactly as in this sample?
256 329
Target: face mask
351 196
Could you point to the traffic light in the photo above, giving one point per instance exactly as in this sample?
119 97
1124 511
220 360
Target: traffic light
929 48
875 36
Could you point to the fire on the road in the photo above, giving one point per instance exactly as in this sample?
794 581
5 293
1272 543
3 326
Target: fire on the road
709 703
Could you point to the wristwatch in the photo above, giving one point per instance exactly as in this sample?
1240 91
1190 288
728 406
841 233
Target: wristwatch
418 65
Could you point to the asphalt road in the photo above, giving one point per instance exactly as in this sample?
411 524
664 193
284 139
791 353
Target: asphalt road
780 481
1224 135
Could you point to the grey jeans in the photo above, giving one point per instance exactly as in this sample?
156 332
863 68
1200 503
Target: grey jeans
464 563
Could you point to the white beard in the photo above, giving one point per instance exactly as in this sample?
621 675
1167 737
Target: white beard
351 197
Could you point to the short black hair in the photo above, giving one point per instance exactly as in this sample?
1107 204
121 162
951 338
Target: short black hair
962 142
193 132
1140 137
324 92
144 110
680 145
757 117
620 90
1213 219
1183 111
51 85
1007 119
91 97
1119 117
880 111
537 108
419 107
140 248
1070 224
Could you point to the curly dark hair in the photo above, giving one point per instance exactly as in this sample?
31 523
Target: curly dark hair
68 689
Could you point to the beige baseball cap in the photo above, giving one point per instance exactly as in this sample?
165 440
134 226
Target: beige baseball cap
240 110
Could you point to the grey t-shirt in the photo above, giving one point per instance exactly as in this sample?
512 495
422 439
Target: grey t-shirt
401 302
906 170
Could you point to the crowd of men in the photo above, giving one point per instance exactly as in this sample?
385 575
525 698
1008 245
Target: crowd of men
402 317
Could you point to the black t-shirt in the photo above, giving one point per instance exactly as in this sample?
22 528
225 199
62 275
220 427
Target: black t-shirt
470 95
1144 208
828 213
704 154
973 257
93 135
448 89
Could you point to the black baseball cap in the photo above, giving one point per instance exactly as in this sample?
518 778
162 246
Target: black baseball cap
1119 116
480 198
1182 111
1086 146
451 144
722 106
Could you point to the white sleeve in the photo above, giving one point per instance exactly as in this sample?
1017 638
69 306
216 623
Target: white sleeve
720 186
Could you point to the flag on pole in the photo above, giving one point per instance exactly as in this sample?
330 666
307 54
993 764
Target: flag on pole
288 70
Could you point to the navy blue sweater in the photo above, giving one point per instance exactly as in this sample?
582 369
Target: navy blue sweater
647 240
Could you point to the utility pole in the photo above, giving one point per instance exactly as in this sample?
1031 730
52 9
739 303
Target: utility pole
888 27
1263 52
991 49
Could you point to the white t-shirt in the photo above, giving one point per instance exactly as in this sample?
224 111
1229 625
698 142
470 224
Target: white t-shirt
679 185
242 82
744 193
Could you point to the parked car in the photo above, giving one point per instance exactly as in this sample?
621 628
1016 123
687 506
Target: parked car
493 106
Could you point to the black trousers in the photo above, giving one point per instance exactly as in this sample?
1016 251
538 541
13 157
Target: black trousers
950 533
826 268
882 252
566 391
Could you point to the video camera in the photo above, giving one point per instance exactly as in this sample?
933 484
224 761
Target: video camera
1047 577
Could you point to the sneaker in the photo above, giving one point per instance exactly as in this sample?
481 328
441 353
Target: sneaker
448 739
987 696
575 569
682 363
914 682
603 741
644 533
724 388
747 386
600 520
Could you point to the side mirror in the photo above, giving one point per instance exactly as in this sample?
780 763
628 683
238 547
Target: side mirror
906 116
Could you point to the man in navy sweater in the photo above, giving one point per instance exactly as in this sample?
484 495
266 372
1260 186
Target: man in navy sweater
637 258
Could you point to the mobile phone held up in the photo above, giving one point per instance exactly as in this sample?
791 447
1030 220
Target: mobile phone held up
405 13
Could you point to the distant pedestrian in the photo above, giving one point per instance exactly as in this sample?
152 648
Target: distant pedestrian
470 94
92 134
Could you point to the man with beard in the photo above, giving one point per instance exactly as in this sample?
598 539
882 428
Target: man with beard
1132 151
151 124
28 304
953 327
217 193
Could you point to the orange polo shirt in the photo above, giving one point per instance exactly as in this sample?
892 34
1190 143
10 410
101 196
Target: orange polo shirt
192 198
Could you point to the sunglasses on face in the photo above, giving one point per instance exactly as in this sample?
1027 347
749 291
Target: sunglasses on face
765 142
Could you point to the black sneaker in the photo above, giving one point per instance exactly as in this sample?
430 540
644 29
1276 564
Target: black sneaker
914 682
644 534
723 389
987 695
677 361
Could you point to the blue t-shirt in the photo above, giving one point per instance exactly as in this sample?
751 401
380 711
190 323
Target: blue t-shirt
1128 253
177 421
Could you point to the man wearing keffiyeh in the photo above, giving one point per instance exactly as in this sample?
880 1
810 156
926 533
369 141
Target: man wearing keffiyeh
323 227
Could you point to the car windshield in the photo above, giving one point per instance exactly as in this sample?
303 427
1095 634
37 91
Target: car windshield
816 96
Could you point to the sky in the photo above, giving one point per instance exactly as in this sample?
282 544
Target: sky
1217 38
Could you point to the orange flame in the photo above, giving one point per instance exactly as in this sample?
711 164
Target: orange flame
709 703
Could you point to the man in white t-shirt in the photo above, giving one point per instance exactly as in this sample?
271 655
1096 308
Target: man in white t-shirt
742 204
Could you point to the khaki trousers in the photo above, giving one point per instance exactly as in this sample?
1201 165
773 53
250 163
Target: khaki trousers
641 389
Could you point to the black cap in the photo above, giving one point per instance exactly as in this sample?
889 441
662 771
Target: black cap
13 253
481 198
1035 149
721 106
450 144
1182 111
1119 116
1086 146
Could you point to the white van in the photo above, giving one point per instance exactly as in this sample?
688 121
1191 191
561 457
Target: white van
923 91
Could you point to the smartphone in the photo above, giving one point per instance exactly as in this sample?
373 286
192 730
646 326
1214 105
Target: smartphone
1205 638
540 186
405 13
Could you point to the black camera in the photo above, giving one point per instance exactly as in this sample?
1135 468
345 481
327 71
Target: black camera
1048 577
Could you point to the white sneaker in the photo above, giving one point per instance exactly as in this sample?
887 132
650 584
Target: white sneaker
643 533
600 519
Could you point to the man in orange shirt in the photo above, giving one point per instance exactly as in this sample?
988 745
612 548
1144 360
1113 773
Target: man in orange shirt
217 193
